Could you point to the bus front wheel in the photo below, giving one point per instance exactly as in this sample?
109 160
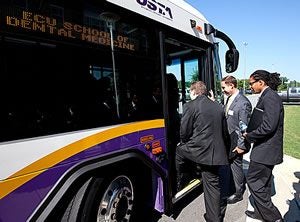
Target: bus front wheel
103 200
126 196
117 200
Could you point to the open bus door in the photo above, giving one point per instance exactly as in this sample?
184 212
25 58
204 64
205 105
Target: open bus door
183 63
187 62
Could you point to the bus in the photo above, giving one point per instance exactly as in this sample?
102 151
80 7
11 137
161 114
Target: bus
90 106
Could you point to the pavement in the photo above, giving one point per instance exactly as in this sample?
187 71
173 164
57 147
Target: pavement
286 197
285 190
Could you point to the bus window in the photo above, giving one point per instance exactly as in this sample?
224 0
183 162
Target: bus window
191 74
217 73
76 85
185 64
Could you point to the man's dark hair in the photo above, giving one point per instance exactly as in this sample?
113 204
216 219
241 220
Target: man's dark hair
271 79
230 80
199 87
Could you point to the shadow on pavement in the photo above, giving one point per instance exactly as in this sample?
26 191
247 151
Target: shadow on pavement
180 205
293 214
184 202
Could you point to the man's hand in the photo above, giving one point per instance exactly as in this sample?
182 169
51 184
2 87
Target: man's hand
238 150
211 95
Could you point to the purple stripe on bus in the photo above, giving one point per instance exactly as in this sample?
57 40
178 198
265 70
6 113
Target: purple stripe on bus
20 204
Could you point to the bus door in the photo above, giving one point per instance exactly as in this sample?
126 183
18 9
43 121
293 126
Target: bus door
185 64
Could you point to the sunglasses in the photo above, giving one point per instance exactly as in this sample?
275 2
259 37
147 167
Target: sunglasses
251 83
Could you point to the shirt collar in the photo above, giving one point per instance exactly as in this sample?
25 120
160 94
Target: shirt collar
262 91
232 97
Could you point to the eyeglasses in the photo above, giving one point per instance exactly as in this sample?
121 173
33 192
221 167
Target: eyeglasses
251 83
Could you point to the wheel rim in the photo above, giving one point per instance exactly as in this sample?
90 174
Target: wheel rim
117 201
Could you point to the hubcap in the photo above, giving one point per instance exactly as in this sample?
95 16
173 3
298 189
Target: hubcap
117 201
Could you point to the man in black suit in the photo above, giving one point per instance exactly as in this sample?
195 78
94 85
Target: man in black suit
202 132
238 110
266 136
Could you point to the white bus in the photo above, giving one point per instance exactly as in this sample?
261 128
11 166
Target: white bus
89 116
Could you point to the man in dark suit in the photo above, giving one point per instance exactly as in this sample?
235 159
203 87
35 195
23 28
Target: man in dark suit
238 110
266 137
202 130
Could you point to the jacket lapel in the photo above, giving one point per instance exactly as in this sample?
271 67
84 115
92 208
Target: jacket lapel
262 96
234 102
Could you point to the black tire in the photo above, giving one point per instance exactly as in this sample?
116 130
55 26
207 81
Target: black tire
73 209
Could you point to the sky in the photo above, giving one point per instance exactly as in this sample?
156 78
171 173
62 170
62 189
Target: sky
265 32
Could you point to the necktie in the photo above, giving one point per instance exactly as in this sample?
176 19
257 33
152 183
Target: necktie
227 105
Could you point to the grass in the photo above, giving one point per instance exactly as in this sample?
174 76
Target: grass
291 137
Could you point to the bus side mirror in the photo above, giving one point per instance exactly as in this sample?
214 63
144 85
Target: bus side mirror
232 60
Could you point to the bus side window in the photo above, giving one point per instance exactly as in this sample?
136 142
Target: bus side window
70 116
134 107
97 106
9 123
155 106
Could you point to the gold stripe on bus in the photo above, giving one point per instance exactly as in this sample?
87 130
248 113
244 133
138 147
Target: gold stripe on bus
24 175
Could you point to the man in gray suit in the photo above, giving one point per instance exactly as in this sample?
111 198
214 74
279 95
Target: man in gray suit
202 132
238 110
265 132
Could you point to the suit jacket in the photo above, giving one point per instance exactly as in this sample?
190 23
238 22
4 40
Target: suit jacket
268 136
239 110
202 130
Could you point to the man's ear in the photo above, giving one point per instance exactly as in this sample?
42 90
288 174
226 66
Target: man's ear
262 82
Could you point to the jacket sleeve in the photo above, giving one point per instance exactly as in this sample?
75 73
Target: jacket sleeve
244 116
186 127
226 135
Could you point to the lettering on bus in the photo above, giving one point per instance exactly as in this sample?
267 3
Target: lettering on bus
40 23
156 7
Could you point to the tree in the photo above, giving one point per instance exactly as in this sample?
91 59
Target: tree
240 84
195 75
283 86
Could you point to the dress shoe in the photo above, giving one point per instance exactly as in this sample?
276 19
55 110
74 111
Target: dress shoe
234 198
253 215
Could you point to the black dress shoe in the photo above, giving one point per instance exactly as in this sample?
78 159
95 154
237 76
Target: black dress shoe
234 198
253 215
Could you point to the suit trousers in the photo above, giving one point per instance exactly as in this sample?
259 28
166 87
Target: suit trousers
212 196
238 175
211 185
184 167
259 180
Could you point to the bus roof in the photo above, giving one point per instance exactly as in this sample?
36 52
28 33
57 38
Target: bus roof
177 14
187 7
